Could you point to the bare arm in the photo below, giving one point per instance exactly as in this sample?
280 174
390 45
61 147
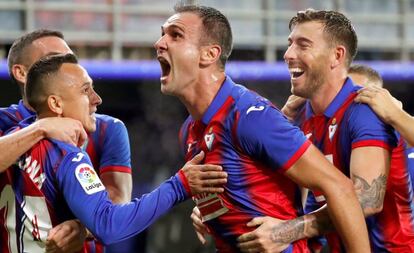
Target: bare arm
313 171
17 143
118 185
389 110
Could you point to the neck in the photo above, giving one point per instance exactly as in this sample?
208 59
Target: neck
324 96
198 99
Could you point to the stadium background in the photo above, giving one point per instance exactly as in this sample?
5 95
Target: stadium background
114 39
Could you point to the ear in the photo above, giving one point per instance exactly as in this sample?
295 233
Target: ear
339 56
55 104
210 54
19 72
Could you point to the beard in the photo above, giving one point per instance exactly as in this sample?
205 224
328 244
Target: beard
314 80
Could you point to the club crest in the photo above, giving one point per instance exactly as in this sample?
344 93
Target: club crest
332 128
209 138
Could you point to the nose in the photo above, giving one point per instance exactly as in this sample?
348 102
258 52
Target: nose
95 99
289 54
160 44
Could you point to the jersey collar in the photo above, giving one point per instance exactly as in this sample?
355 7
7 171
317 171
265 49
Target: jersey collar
221 96
24 111
348 88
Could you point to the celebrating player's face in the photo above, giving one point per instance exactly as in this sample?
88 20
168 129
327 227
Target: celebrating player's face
307 57
79 100
178 52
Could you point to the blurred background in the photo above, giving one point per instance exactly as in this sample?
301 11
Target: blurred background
114 39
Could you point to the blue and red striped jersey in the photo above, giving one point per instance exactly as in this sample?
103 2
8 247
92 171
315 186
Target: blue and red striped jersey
346 125
108 147
255 144
54 182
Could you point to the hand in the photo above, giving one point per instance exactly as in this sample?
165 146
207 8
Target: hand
381 101
64 129
204 178
200 229
270 236
292 106
68 236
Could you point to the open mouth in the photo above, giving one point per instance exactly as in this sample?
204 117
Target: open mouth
295 72
165 67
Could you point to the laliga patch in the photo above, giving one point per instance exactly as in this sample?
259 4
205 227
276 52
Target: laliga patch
88 179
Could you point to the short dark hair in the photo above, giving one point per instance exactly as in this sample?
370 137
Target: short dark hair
18 50
216 26
338 28
37 78
371 74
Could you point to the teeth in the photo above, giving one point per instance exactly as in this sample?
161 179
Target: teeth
295 70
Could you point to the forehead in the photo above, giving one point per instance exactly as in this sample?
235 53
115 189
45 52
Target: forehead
310 29
185 20
50 44
73 74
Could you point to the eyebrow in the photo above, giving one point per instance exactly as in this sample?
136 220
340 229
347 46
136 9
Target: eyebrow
171 27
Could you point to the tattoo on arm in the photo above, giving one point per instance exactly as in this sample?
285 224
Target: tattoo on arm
289 231
370 196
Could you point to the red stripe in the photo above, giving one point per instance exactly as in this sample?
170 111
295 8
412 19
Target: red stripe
123 169
184 181
371 143
297 155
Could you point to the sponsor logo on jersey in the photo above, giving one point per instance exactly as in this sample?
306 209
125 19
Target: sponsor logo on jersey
255 108
88 179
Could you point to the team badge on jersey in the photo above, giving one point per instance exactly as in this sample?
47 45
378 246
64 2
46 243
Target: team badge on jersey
88 179
332 128
209 138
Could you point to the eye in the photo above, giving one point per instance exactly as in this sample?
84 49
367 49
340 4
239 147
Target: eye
176 35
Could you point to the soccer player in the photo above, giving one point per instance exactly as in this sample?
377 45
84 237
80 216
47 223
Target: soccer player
55 181
108 147
260 150
322 45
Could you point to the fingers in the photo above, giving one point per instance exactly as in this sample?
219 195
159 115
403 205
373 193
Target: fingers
256 222
81 137
246 237
198 225
251 246
201 238
197 159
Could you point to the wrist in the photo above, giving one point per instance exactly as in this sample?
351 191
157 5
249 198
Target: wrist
184 181
40 129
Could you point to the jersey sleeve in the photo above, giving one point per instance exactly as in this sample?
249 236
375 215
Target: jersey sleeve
110 223
265 134
366 129
116 154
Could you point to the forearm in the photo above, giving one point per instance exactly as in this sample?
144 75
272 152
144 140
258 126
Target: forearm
113 223
347 216
16 144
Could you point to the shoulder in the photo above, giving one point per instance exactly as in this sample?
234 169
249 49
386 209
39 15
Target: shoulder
107 125
107 120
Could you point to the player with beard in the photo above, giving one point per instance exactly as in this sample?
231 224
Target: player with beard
322 45
244 133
